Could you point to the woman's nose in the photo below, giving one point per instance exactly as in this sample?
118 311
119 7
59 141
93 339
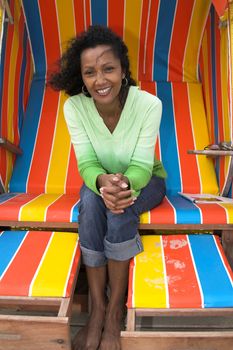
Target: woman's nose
100 77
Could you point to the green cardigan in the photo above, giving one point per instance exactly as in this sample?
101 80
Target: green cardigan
128 150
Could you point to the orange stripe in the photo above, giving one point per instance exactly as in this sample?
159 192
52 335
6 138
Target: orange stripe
188 164
27 79
88 13
210 78
116 16
213 214
179 39
162 214
183 285
20 273
61 209
79 16
9 210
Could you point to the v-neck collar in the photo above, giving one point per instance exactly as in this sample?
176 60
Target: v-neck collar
121 119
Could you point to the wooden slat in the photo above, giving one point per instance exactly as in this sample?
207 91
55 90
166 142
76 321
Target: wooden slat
34 333
177 340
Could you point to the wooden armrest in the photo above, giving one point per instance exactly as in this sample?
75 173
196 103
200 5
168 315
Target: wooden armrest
9 146
210 152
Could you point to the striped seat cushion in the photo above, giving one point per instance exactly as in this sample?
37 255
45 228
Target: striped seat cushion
38 264
64 208
180 271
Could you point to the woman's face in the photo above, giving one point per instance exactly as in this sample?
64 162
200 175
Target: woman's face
102 74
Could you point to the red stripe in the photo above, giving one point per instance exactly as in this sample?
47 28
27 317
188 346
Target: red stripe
9 210
61 209
163 214
188 164
116 16
79 16
73 179
142 51
44 142
183 286
88 13
131 283
213 213
20 273
179 38
151 29
73 272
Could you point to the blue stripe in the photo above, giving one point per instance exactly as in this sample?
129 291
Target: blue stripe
28 137
6 196
3 52
9 243
215 283
21 81
168 139
75 214
36 37
163 38
99 12
186 211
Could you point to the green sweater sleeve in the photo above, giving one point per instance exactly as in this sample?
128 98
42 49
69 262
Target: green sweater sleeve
140 169
88 164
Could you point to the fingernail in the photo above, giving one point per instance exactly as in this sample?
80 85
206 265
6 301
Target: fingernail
115 178
101 190
134 198
124 185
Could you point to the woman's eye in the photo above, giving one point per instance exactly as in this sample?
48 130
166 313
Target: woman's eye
108 69
89 73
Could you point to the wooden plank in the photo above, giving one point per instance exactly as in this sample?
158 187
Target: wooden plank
34 333
185 312
177 340
9 146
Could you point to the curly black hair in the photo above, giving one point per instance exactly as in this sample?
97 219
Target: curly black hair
68 76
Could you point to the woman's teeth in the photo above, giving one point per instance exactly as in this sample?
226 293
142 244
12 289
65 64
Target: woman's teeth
104 91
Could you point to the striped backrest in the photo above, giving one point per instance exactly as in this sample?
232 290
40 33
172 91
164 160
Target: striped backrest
183 127
164 44
15 77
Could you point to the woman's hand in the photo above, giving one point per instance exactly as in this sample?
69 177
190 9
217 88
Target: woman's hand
115 193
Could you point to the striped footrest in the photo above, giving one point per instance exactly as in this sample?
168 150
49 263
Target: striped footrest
180 271
38 264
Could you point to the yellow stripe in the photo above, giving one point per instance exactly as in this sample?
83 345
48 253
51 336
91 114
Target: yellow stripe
199 14
66 21
229 211
149 284
52 275
132 32
59 154
36 209
145 218
205 164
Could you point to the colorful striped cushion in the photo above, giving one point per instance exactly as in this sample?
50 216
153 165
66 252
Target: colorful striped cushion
38 264
180 271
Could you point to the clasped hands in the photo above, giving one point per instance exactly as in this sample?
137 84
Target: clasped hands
114 189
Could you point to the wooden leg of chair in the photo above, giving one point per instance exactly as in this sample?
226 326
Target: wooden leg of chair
131 319
227 242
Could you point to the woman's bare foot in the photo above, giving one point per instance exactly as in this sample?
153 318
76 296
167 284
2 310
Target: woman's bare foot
88 338
112 329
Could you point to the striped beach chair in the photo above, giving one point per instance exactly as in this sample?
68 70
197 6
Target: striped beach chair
179 52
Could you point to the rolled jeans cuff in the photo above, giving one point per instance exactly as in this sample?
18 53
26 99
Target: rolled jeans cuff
93 258
124 250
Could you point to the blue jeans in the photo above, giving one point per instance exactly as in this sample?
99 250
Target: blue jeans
104 235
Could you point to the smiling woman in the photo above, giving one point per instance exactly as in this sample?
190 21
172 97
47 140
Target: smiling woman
113 127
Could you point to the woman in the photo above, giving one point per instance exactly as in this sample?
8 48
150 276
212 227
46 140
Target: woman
113 127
